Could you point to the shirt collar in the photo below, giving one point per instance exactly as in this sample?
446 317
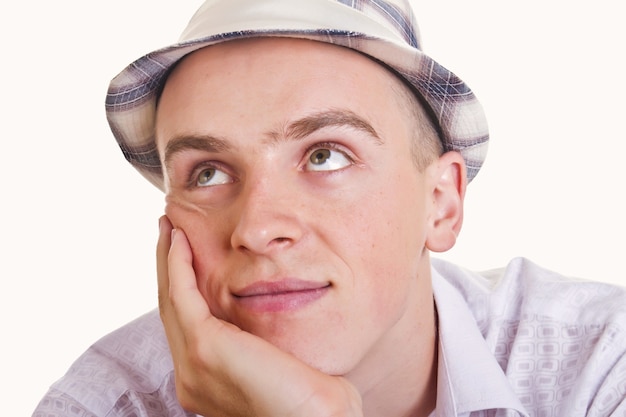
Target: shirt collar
469 377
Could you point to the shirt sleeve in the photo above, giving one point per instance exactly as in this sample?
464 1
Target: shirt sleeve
58 404
130 404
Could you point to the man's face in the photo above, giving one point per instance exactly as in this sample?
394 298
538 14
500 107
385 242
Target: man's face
288 166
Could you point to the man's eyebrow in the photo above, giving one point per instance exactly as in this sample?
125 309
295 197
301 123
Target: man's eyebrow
307 125
182 143
298 129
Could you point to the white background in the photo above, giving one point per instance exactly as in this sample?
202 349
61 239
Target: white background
79 225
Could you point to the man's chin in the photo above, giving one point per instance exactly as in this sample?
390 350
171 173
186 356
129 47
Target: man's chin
325 357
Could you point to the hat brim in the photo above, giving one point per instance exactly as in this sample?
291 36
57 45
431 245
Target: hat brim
132 96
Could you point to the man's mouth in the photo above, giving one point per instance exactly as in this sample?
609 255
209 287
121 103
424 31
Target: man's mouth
283 295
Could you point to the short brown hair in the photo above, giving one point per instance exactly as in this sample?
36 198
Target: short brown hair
426 145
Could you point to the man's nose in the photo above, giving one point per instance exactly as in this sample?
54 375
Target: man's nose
269 218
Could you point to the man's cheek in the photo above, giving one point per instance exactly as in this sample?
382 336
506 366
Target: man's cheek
182 213
211 282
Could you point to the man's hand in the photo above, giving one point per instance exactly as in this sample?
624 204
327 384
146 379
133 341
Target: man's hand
221 370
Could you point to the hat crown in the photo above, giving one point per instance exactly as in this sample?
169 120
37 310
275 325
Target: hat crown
387 19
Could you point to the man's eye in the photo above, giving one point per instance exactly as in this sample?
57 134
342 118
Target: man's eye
325 159
210 176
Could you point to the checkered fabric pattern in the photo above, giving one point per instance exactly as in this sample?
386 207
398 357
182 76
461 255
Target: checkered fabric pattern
383 29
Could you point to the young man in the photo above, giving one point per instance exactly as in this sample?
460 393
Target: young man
312 157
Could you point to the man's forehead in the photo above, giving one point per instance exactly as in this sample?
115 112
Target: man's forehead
252 51
240 61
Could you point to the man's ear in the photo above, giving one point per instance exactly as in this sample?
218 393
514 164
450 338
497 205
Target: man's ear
448 181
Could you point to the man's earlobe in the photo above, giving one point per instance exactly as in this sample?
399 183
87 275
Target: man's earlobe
448 191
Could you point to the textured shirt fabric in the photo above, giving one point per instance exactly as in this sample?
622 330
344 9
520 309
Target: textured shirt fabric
526 341
519 341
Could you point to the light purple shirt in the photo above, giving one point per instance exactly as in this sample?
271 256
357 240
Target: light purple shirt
520 341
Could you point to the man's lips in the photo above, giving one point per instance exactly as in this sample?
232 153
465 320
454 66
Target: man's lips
260 288
283 295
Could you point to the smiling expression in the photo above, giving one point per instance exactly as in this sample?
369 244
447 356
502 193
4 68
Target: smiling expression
288 165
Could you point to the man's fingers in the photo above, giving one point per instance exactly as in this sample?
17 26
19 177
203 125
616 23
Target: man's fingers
163 249
173 331
181 305
178 289
190 307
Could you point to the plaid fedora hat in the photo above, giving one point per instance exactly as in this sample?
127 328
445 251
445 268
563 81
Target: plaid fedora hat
383 29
